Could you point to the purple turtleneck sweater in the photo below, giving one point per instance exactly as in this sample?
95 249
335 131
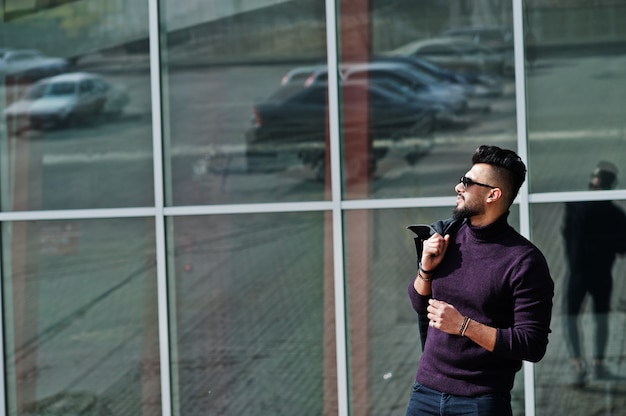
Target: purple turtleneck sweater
498 278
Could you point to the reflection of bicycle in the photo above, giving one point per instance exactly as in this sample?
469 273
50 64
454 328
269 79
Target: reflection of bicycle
219 162
216 161
359 160
411 150
357 166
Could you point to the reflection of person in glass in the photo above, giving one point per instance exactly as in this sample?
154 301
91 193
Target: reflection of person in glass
594 232
487 293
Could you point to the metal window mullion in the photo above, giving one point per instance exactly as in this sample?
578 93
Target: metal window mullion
520 100
159 218
522 150
3 286
337 217
568 196
77 214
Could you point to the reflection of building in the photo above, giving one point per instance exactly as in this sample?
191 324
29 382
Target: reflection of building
185 280
91 26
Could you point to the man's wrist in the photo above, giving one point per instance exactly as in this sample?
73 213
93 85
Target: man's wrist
464 325
421 269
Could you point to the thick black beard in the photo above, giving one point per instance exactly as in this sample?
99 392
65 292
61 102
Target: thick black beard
462 213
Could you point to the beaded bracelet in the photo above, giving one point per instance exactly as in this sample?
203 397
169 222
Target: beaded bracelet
425 279
464 325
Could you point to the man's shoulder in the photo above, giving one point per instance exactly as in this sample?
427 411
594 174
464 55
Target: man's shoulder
527 250
522 241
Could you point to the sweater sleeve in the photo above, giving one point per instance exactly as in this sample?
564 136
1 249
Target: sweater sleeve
532 293
419 302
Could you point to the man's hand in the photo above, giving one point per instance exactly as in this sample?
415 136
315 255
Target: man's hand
444 316
433 251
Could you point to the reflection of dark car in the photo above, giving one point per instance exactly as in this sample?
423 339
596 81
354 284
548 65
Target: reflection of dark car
294 119
448 99
494 37
473 84
456 53
65 99
30 64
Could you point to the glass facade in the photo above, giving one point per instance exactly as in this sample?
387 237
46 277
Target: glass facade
80 317
249 300
203 206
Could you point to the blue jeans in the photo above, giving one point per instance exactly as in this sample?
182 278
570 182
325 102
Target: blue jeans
425 401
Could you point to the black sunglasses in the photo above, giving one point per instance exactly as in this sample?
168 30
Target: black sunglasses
467 182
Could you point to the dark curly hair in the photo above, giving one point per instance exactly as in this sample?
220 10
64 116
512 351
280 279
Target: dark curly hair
507 164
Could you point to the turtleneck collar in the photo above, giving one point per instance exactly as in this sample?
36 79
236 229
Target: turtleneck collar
492 230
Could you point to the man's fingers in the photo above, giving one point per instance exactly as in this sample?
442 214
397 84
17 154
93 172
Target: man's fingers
446 240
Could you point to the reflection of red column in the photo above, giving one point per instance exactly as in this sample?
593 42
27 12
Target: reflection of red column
358 267
330 339
150 359
24 248
24 182
355 46
24 385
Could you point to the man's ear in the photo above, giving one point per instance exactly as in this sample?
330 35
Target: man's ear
494 195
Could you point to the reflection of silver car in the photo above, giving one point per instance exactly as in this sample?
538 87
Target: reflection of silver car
66 99
30 64
448 100
495 37
305 75
455 53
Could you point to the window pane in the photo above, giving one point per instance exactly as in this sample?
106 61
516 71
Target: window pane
580 240
253 308
437 108
384 339
80 317
575 91
65 147
234 133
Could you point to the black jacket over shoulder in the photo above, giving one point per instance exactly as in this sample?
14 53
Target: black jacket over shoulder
424 232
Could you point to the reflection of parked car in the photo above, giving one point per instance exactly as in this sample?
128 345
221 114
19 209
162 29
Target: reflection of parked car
294 119
455 53
425 90
305 75
473 84
65 99
30 64
497 38
398 75
493 37
403 72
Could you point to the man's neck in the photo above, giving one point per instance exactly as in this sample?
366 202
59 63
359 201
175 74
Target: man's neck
485 219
